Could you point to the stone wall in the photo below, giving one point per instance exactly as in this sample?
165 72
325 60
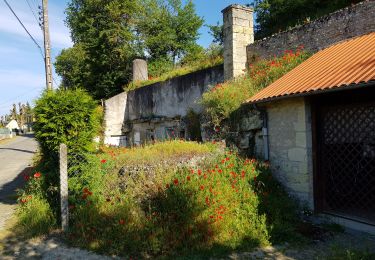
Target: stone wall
157 111
343 24
114 116
290 146
174 97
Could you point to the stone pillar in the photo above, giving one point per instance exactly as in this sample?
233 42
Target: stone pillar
238 34
140 71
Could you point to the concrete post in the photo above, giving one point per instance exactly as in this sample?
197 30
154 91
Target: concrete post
140 71
64 187
238 34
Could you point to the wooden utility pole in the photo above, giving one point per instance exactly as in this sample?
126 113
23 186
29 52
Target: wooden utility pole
47 45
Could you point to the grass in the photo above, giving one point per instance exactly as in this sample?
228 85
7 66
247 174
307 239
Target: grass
223 100
178 71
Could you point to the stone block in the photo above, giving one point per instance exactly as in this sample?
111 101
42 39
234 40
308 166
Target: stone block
251 122
297 154
301 139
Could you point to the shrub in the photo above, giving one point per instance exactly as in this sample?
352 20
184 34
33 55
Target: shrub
66 116
224 99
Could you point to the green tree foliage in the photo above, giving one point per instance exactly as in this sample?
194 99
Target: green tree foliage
273 16
102 32
217 32
70 64
109 34
69 117
168 28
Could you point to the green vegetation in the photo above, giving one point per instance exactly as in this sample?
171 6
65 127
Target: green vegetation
69 117
199 64
108 35
224 99
274 16
152 201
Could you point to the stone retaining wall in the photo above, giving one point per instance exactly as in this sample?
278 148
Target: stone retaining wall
346 23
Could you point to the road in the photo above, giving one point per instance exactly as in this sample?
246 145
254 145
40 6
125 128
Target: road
15 157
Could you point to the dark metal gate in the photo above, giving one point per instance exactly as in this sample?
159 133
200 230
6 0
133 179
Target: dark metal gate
346 160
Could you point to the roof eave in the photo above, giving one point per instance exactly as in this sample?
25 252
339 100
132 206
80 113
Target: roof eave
314 92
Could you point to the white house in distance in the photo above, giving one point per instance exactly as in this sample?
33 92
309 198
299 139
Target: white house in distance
12 125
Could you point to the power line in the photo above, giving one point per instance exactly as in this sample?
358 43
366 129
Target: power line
23 26
31 9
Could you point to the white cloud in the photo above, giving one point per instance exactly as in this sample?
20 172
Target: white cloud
60 37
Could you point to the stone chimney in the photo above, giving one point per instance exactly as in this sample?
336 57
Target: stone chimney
238 34
140 71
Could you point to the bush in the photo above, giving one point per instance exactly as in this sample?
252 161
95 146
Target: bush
224 99
66 116
221 203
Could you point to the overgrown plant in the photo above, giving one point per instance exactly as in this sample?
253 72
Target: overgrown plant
220 203
224 99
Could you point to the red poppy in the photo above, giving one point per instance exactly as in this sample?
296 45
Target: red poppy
201 187
37 175
26 177
188 178
103 161
121 222
243 174
175 181
199 172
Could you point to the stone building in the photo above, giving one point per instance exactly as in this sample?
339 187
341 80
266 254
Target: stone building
320 120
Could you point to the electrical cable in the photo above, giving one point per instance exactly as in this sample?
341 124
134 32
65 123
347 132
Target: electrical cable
23 26
31 9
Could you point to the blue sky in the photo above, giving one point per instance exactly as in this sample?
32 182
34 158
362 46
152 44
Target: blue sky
21 66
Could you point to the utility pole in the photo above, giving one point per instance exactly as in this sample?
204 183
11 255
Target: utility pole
47 45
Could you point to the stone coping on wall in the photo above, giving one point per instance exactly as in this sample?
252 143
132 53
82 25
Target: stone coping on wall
351 21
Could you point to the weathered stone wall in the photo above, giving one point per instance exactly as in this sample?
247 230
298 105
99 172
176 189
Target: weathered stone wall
290 146
174 97
238 33
114 116
343 24
157 111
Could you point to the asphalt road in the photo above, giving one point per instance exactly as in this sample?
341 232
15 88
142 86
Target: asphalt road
15 158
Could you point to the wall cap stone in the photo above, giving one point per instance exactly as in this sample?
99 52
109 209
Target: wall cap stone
238 6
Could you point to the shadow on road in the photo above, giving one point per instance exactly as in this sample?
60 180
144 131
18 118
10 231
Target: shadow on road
8 190
18 150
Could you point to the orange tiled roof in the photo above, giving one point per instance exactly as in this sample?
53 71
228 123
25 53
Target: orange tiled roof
343 64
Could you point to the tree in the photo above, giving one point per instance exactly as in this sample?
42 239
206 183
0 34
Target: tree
102 31
109 34
217 32
168 29
70 64
273 16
